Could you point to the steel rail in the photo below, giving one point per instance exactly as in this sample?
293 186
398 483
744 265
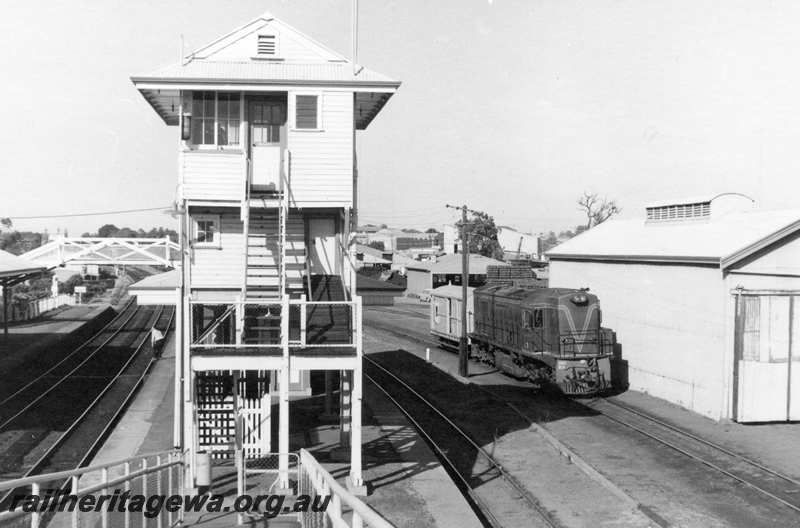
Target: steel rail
39 463
68 356
477 501
705 462
518 487
70 373
106 430
701 440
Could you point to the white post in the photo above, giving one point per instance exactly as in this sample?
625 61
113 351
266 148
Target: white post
188 396
104 512
303 312
283 402
177 417
35 516
428 355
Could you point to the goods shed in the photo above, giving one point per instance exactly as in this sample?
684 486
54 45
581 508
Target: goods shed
704 295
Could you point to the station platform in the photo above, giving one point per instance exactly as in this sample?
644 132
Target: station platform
39 343
407 484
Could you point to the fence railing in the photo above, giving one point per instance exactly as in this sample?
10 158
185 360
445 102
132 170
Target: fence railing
146 475
209 338
34 308
345 510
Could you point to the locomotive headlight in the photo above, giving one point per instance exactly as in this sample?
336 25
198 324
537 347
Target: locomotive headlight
579 299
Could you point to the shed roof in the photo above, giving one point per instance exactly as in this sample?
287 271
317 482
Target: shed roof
450 264
369 284
721 241
12 266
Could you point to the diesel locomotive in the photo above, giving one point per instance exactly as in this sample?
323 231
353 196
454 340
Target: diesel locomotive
546 335
551 335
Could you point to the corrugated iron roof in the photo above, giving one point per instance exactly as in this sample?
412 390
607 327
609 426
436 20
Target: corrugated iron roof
720 241
269 72
451 264
12 265
168 280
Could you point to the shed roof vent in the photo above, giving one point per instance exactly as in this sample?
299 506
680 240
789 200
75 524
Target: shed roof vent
266 46
683 211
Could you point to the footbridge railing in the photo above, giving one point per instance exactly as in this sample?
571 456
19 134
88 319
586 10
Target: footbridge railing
106 251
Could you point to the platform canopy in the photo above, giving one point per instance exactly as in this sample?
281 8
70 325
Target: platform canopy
16 269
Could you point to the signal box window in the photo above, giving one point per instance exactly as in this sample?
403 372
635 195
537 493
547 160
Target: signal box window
206 231
307 112
215 119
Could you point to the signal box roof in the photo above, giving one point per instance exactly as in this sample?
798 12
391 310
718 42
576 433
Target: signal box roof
265 54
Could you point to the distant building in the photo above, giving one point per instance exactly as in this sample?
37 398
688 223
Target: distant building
397 239
518 245
423 276
370 257
704 296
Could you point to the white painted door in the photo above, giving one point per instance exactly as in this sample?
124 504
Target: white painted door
267 136
768 358
322 238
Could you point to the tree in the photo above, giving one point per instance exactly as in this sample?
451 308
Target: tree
597 209
482 235
377 244
431 230
6 223
107 231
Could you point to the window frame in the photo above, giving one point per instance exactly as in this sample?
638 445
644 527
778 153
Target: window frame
238 147
216 243
293 111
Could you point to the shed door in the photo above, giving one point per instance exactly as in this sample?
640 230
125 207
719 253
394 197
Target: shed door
267 130
767 355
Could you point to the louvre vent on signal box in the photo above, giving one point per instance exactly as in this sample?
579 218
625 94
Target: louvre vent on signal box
266 45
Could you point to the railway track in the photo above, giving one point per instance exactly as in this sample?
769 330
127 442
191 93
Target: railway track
769 482
73 406
774 486
498 498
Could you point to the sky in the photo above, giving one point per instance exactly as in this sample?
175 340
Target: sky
513 107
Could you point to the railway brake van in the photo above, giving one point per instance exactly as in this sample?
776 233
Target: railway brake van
550 335
446 314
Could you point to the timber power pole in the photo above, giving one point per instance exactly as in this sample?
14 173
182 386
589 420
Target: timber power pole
463 350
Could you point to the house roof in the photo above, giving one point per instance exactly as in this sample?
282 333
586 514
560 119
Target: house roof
721 241
12 266
702 198
168 280
451 264
231 63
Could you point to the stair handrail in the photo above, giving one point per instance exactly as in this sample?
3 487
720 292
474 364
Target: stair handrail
313 475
